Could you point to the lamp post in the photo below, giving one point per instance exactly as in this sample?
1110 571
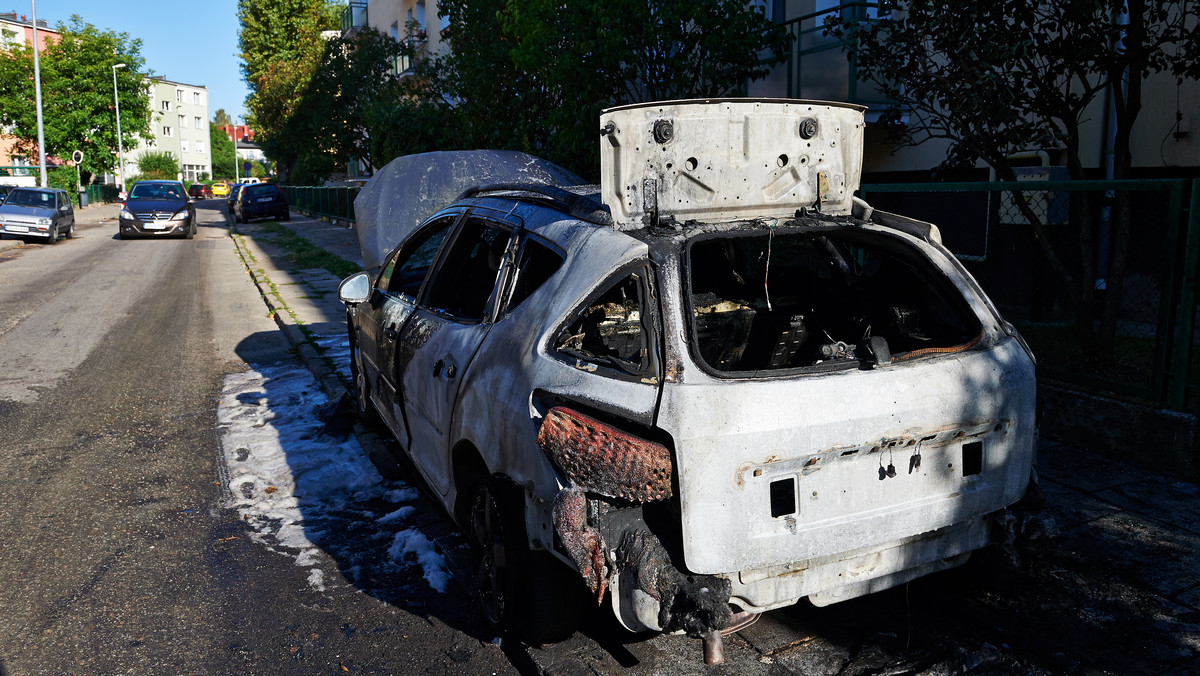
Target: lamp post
37 84
120 147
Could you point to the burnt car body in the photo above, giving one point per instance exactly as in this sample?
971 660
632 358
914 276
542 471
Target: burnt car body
157 209
38 214
259 200
717 386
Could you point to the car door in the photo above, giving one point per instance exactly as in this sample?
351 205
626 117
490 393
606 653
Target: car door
442 335
387 310
66 212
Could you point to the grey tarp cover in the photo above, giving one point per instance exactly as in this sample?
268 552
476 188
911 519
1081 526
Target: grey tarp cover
413 187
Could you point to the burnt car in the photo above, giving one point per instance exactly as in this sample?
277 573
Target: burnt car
38 214
714 386
259 200
157 209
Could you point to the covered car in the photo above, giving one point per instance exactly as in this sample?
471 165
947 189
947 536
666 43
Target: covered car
157 209
38 214
712 386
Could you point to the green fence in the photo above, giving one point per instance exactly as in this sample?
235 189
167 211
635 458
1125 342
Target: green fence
1099 276
101 193
331 202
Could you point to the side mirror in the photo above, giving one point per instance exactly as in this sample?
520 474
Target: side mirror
355 289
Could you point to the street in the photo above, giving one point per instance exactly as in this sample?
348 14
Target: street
178 495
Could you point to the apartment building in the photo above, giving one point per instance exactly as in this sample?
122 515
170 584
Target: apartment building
413 21
179 126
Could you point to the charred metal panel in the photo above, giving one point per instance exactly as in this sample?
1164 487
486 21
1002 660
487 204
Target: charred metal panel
724 160
695 604
604 460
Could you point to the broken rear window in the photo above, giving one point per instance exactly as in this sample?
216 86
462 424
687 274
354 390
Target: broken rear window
797 298
612 329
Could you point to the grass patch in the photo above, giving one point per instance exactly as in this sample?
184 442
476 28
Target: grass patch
303 254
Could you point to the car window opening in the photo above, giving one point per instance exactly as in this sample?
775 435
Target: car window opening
467 277
610 328
779 300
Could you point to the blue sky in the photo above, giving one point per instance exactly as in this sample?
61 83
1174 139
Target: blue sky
189 42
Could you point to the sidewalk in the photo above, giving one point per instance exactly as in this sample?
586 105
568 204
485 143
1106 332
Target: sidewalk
1127 541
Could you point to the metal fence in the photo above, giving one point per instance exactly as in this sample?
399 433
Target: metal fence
335 202
100 193
1099 276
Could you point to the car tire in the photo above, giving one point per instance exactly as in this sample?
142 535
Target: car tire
190 231
53 238
71 232
526 594
287 216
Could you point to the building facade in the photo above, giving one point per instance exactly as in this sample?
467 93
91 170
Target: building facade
179 126
1164 140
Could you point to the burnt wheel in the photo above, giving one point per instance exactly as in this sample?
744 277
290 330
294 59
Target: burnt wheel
524 593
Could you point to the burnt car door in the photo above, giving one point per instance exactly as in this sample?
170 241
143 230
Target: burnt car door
443 334
382 318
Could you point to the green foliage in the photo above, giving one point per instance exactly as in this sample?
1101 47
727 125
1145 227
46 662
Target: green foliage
281 45
65 178
222 152
156 165
77 95
221 117
525 75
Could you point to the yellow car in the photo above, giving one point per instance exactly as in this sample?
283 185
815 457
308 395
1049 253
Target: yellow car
220 189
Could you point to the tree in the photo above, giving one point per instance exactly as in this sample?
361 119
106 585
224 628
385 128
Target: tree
356 73
223 152
526 75
281 45
996 78
156 165
221 118
77 95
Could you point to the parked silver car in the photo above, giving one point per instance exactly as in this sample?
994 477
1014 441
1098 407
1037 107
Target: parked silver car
38 214
715 386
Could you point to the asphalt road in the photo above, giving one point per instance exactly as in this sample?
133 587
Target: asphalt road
116 554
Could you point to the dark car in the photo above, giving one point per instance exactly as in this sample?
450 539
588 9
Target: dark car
4 192
260 200
158 209
716 386
199 191
234 189
38 214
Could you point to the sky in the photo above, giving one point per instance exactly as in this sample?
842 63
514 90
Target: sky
189 42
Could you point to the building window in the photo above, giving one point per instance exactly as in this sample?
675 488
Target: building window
196 98
183 121
198 122
394 31
183 146
166 105
199 146
168 131
179 95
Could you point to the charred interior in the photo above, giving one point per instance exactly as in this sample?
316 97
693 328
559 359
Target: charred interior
788 298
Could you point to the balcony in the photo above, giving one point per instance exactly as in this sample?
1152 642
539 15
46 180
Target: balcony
354 16
416 48
817 68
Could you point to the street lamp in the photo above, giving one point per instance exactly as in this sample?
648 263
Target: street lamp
120 148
